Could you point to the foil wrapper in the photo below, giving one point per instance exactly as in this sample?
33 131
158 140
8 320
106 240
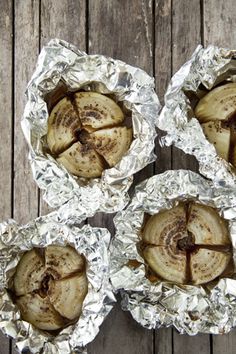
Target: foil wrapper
208 67
190 309
93 244
62 64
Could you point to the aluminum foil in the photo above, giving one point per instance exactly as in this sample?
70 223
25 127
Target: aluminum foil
207 66
190 309
60 62
93 244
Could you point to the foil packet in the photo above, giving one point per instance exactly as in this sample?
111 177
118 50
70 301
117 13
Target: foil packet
207 68
190 309
60 64
90 241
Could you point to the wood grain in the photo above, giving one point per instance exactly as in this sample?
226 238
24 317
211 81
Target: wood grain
219 23
156 35
65 20
163 66
225 343
6 45
6 109
199 344
122 335
186 35
219 29
26 52
163 341
123 30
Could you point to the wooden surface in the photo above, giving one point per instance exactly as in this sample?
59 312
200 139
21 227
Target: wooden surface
156 35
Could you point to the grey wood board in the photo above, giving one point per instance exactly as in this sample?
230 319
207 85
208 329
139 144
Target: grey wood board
6 115
156 35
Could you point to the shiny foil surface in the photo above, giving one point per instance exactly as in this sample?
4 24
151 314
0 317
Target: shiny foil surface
208 67
190 309
60 62
90 241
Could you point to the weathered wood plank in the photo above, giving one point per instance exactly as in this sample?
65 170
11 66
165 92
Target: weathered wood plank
121 334
122 30
194 345
219 29
163 336
224 343
163 341
186 35
64 20
6 45
26 52
162 70
219 23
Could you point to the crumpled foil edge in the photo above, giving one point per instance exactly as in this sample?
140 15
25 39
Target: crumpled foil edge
190 309
93 242
207 66
60 61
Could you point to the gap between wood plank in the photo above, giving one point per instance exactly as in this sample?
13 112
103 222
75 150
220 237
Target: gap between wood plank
39 49
87 26
13 127
13 106
154 74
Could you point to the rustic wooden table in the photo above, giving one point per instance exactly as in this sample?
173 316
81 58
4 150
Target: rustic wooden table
156 35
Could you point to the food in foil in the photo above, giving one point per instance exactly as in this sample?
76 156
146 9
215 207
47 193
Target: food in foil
97 111
199 112
110 143
188 244
63 124
218 104
219 136
90 122
85 133
49 286
216 113
208 238
82 160
54 283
